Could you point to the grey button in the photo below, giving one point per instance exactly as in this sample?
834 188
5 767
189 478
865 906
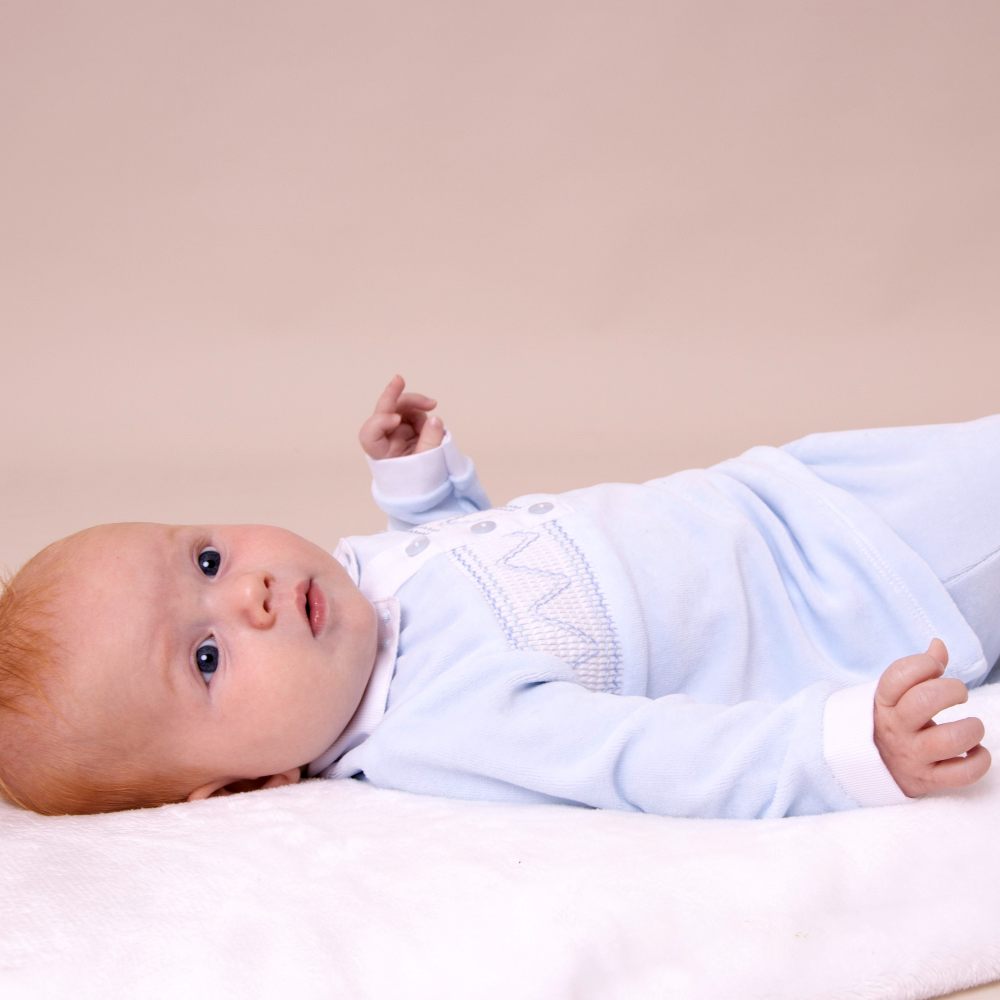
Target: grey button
417 546
483 527
540 508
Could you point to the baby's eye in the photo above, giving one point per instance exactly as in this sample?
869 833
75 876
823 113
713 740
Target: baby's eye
206 658
209 561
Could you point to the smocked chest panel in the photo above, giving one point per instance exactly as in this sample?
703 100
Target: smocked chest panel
536 580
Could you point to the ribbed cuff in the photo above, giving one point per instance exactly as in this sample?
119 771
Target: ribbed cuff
849 747
414 475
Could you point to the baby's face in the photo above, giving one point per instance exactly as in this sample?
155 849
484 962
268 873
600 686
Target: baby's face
239 651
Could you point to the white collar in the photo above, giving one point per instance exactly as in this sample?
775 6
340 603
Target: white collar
372 707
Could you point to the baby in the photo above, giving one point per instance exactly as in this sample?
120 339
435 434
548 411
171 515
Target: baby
713 643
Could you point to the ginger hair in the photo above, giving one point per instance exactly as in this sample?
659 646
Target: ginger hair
28 654
50 762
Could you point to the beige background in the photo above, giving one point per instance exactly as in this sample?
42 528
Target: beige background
614 239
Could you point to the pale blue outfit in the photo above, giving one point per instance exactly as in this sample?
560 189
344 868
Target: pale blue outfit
706 644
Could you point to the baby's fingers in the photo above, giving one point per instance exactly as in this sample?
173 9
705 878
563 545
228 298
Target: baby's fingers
415 401
375 431
922 702
431 434
389 397
903 674
950 739
960 771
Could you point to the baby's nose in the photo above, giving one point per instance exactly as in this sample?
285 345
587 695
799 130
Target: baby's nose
251 595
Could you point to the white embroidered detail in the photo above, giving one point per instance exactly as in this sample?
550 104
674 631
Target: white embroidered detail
542 590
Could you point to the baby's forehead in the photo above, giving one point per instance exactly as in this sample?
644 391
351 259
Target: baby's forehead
107 563
99 599
110 583
137 533
108 543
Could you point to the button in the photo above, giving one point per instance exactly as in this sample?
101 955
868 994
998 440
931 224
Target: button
386 616
540 508
483 527
417 546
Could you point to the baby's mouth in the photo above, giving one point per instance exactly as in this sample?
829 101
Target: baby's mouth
315 608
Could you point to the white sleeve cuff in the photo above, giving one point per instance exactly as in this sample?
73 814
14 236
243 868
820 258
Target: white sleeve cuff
850 751
460 466
418 474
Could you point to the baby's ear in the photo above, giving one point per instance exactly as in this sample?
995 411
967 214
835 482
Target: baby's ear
289 777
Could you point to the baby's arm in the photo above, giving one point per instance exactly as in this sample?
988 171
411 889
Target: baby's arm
921 755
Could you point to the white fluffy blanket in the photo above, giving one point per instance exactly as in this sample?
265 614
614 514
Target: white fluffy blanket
334 889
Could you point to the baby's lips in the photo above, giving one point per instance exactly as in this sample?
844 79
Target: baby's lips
302 599
317 609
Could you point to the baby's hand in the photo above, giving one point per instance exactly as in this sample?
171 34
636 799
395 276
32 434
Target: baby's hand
400 424
921 755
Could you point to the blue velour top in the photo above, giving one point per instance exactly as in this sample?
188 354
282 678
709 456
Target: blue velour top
705 644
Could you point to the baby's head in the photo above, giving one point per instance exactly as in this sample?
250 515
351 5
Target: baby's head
151 663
